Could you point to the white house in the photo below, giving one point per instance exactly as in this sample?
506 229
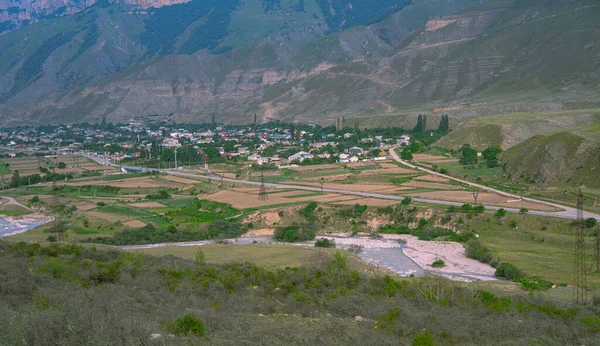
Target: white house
300 156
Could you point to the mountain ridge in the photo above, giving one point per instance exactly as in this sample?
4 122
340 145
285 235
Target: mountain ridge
479 55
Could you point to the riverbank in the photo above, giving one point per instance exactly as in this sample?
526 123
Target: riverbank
11 225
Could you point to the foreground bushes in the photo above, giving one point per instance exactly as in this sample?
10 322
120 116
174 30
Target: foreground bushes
49 295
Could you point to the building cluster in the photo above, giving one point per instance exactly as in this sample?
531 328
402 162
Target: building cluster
280 144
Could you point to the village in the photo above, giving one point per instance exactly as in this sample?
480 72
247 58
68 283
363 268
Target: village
278 144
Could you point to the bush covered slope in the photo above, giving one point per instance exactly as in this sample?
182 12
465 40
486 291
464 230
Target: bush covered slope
75 296
569 157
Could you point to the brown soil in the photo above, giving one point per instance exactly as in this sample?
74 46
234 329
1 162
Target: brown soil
484 198
426 185
433 178
179 179
263 232
135 223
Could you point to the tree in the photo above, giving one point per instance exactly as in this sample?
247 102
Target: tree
444 126
406 155
62 165
490 155
420 124
468 155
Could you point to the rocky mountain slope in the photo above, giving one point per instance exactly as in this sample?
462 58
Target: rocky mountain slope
427 55
57 54
16 14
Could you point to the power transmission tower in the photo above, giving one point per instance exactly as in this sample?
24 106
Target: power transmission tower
262 195
57 227
598 249
580 273
475 195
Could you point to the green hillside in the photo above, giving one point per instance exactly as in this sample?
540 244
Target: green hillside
507 130
561 158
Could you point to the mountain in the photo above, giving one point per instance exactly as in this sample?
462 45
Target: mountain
59 53
430 54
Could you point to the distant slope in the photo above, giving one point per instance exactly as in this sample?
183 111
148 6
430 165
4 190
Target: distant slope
507 130
79 47
569 157
498 55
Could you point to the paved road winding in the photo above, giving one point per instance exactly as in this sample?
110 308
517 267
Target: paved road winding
566 213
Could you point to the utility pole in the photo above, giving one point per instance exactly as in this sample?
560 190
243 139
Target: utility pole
598 249
262 194
175 157
58 226
579 275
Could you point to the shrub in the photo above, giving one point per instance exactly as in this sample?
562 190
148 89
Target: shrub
438 263
476 250
101 204
162 194
200 258
523 210
445 219
501 213
62 165
325 243
424 338
444 170
478 209
589 222
308 210
355 249
466 207
187 325
294 233
593 322
510 272
406 201
512 224
36 199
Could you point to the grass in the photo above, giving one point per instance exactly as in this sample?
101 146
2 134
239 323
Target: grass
260 254
14 212
540 246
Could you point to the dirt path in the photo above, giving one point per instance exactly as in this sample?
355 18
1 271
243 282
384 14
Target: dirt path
11 201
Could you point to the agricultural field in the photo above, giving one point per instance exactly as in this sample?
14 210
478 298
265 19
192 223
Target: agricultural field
27 165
